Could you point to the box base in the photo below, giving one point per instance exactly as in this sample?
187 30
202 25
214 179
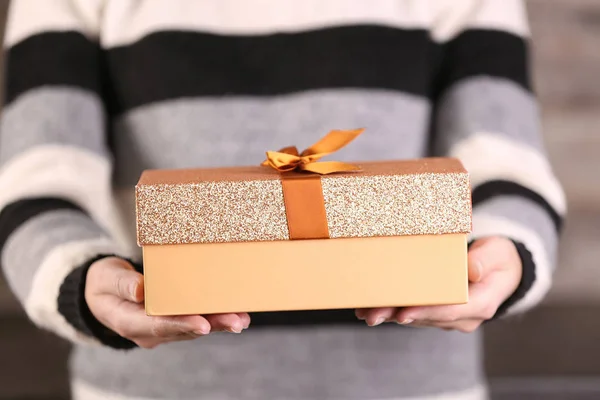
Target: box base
305 274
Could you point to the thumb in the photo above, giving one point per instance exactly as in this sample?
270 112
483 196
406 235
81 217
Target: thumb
481 259
117 277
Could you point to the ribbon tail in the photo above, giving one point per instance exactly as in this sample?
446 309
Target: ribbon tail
330 167
332 142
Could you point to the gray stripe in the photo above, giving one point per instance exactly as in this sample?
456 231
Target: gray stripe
238 130
298 363
489 105
52 116
27 247
526 213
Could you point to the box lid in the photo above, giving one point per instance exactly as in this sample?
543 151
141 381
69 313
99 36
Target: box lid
388 198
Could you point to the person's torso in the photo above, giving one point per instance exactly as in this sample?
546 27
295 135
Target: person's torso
218 83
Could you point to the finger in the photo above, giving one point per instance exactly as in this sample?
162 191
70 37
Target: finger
488 255
117 277
226 322
377 316
479 242
361 313
130 320
245 317
465 326
152 342
481 303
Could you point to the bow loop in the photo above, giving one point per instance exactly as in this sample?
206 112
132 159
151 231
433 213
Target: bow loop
288 158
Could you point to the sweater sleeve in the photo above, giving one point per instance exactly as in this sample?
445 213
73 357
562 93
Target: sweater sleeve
486 115
56 205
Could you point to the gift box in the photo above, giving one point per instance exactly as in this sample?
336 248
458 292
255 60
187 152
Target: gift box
296 233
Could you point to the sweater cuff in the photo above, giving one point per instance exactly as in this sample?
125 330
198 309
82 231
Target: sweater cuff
73 307
527 280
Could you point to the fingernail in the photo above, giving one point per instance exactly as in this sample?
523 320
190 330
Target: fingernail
237 328
202 331
378 321
406 321
246 325
133 290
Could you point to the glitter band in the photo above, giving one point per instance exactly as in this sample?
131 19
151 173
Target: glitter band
428 196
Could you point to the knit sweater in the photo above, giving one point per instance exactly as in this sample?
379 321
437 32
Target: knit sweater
96 91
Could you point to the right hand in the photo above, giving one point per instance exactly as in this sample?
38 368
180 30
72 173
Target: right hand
114 293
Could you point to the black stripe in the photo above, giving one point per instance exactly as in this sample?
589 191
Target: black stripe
16 214
479 52
52 58
174 64
491 189
167 65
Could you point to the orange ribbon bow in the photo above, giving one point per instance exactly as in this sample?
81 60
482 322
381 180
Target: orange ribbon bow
288 158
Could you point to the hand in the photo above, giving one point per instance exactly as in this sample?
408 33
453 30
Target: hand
494 274
114 293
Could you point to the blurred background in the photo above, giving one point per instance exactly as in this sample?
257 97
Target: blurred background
551 353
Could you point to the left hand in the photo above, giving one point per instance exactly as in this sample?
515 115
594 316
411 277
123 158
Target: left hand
494 274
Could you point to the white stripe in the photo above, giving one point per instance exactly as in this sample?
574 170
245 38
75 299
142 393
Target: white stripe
125 21
488 225
234 17
505 15
67 172
454 16
489 156
128 21
29 17
83 391
41 304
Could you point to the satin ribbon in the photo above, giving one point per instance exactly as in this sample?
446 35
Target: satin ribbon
288 158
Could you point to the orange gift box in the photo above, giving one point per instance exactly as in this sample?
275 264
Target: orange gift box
299 234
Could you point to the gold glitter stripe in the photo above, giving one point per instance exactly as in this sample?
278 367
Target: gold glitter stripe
356 206
207 212
392 205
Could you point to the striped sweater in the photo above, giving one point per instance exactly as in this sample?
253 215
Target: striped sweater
98 90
